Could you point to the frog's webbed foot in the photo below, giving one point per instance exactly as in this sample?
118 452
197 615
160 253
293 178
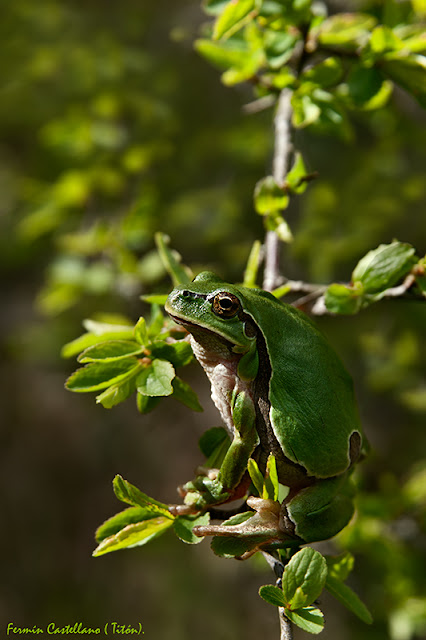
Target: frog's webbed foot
260 530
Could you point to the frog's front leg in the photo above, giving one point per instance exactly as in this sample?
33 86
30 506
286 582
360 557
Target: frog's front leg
321 510
222 486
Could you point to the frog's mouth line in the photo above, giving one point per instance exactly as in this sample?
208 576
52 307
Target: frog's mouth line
203 329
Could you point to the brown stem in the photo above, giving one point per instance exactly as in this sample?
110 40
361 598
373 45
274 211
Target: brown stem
280 168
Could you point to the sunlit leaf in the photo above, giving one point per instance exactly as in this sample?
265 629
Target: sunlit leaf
96 376
116 393
256 476
340 298
252 267
272 594
141 332
269 196
110 351
178 353
385 266
134 535
304 578
156 379
116 523
233 17
309 619
172 261
325 73
347 30
127 492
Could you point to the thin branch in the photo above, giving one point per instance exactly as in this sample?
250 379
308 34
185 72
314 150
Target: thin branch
259 105
282 151
285 625
286 631
400 290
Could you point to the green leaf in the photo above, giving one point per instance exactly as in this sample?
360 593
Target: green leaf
256 476
89 339
239 518
253 263
116 523
409 71
383 267
214 444
340 566
171 259
184 394
339 298
145 404
96 376
281 291
178 353
384 39
363 84
239 59
309 619
304 578
183 526
233 547
326 73
130 494
272 594
276 223
99 328
294 178
110 351
223 55
269 196
234 16
116 394
155 298
271 485
212 439
279 46
305 110
134 535
156 379
141 332
349 598
346 30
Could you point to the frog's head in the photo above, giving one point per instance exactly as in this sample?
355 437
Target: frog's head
212 305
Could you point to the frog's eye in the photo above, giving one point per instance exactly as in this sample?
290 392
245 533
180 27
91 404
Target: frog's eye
226 305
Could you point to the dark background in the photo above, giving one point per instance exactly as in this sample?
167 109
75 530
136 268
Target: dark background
107 114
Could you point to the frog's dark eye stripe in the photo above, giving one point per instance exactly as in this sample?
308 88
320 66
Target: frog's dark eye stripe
192 294
226 305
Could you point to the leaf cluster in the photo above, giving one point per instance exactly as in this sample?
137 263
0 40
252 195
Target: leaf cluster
122 359
376 276
304 577
332 63
143 521
332 66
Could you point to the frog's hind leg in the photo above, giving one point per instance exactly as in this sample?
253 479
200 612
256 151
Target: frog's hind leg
322 510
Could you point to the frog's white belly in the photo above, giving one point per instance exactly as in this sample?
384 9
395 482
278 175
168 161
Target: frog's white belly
221 369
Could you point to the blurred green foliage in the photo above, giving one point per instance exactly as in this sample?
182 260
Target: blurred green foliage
112 128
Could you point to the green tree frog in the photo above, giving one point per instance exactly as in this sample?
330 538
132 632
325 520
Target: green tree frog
280 388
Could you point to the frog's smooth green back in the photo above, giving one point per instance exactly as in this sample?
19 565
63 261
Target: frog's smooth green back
314 410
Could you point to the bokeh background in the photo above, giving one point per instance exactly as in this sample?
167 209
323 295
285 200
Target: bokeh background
113 128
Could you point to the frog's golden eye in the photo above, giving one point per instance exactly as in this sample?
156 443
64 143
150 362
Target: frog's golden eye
226 305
